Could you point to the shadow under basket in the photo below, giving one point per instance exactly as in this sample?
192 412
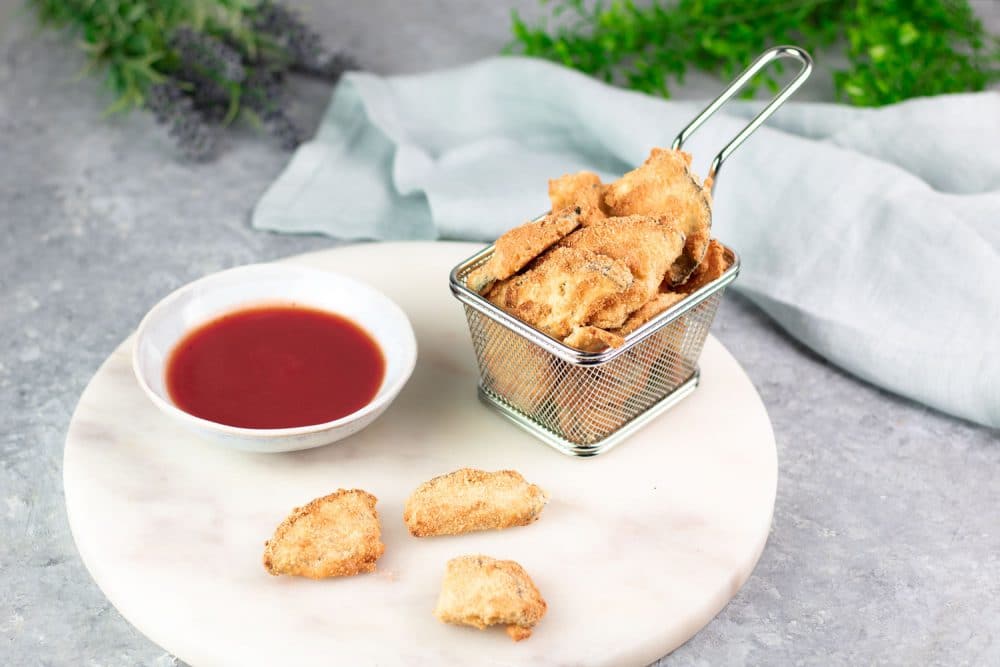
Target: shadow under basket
584 403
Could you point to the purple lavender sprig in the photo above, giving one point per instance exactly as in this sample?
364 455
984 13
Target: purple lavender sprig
196 139
303 46
210 97
207 55
198 65
264 94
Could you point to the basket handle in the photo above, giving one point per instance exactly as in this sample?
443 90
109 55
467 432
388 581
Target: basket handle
763 60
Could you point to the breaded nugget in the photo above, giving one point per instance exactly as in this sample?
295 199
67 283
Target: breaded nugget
334 536
716 263
647 245
468 500
665 186
522 244
481 591
649 310
563 289
583 189
593 339
516 369
586 414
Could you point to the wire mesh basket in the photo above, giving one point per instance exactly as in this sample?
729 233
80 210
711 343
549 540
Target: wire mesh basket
583 403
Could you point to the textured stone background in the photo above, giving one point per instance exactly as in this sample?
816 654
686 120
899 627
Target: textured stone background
885 542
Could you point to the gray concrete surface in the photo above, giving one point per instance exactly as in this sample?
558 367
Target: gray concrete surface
885 543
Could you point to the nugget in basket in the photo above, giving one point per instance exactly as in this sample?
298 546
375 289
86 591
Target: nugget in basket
608 258
589 276
590 320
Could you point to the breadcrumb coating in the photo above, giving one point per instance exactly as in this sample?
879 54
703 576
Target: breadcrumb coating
468 500
517 247
664 186
334 536
481 591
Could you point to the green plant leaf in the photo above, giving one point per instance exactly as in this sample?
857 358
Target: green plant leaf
895 49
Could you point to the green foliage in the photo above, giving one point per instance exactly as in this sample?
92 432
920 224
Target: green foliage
130 37
895 49
198 64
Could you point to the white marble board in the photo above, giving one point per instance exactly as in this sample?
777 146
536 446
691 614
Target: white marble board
638 549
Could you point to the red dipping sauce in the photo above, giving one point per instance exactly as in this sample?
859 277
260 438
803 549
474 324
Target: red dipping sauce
275 367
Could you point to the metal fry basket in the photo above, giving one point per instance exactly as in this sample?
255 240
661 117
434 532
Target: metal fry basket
583 403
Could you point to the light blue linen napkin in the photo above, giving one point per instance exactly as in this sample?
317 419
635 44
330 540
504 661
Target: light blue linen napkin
871 235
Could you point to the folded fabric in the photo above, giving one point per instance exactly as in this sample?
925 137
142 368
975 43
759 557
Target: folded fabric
871 235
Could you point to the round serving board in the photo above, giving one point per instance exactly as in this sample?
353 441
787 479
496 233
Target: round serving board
636 551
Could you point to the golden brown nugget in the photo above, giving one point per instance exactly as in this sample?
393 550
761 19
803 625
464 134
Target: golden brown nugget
585 416
584 190
481 591
665 186
518 370
714 265
517 247
468 500
647 245
592 339
334 536
563 290
648 311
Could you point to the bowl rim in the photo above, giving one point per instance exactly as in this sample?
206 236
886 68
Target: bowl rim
381 400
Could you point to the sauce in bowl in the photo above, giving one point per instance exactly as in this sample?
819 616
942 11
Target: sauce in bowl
275 367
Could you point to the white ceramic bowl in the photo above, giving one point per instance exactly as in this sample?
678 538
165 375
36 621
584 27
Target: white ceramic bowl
205 299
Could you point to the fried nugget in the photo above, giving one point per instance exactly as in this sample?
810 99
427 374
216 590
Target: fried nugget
647 245
648 311
664 345
481 591
586 416
517 369
334 536
665 186
563 290
517 247
716 263
468 500
593 339
583 189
